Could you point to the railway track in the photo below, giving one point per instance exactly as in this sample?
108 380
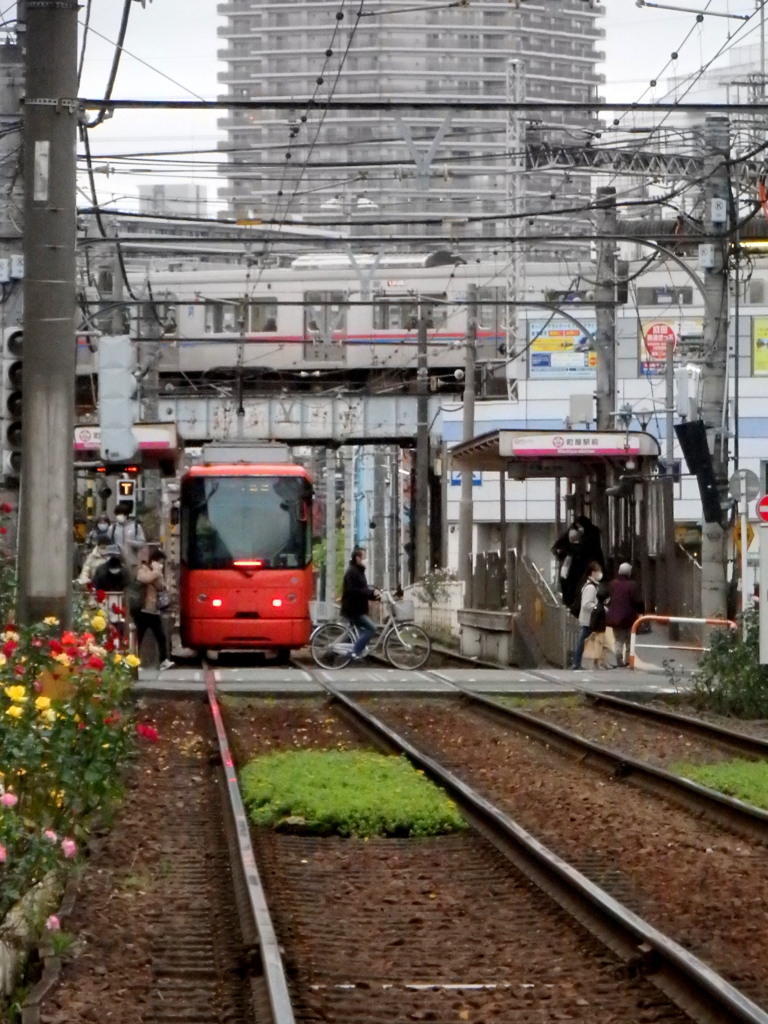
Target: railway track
330 893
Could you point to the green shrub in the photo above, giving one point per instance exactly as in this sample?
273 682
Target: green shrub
745 780
729 678
345 792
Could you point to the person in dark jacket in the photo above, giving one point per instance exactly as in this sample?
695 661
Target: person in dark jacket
355 598
624 606
574 550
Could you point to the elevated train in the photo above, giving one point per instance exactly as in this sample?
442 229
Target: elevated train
360 314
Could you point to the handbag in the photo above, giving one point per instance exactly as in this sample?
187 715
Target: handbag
163 600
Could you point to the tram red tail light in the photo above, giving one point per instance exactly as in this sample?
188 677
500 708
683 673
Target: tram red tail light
217 602
248 563
277 602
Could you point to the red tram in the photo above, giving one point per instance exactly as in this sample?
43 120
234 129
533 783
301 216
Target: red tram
245 557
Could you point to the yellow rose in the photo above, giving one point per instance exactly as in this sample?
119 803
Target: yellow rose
51 620
17 694
117 659
42 703
63 659
132 661
15 711
98 622
48 716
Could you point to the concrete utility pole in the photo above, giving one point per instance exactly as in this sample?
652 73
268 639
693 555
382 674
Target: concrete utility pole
714 397
330 525
11 181
605 310
50 123
467 433
421 509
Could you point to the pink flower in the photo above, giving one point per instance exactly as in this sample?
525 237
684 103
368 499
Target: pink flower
53 924
3 854
68 847
9 799
51 835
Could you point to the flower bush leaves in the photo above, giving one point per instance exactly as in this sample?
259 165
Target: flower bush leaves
66 734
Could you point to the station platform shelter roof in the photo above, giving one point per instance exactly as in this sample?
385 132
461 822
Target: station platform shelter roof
527 454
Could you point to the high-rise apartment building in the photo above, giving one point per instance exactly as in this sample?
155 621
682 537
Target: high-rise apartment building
439 163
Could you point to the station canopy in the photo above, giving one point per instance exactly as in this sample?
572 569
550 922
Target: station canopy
528 454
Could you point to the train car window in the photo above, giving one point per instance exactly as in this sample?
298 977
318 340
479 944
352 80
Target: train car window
434 309
490 309
325 315
394 312
222 317
225 519
263 316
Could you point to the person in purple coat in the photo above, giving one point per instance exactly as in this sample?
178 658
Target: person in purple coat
624 606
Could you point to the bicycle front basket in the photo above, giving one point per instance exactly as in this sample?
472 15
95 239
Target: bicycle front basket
404 611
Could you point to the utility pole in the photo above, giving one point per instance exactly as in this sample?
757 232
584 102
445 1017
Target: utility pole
714 397
330 525
11 182
605 309
50 124
421 511
467 433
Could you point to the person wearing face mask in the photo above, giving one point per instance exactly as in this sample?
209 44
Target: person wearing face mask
100 530
154 600
127 533
588 604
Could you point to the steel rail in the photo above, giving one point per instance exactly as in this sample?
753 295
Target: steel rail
269 949
727 737
685 979
724 810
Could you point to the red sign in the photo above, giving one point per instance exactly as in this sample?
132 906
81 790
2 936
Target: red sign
762 508
656 338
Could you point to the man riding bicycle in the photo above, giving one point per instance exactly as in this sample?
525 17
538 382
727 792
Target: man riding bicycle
355 596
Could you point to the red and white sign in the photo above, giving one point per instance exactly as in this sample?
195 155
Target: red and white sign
656 338
159 437
575 443
762 508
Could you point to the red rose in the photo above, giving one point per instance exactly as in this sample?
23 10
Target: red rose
55 646
95 662
68 638
147 732
100 595
9 647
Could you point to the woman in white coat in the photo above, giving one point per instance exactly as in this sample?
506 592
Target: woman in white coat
588 604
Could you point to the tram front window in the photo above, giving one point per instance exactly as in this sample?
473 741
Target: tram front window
240 519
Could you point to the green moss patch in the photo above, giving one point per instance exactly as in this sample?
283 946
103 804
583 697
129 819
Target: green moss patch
347 793
745 780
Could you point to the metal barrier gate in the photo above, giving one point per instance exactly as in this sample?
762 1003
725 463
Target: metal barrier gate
663 620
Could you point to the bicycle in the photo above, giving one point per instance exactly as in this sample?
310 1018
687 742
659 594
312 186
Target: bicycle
404 644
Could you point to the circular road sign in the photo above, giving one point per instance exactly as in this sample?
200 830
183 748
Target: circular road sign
744 481
656 337
762 508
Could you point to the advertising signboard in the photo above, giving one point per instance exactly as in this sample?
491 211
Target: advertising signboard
654 335
760 346
560 348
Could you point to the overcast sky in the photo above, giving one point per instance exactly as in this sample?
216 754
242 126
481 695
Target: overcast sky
170 53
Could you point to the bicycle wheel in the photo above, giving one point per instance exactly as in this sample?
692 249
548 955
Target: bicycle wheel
407 646
331 645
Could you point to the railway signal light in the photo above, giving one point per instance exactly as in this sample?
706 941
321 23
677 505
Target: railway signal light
118 404
13 341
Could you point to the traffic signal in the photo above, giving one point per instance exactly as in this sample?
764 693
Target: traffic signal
13 338
118 405
126 493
